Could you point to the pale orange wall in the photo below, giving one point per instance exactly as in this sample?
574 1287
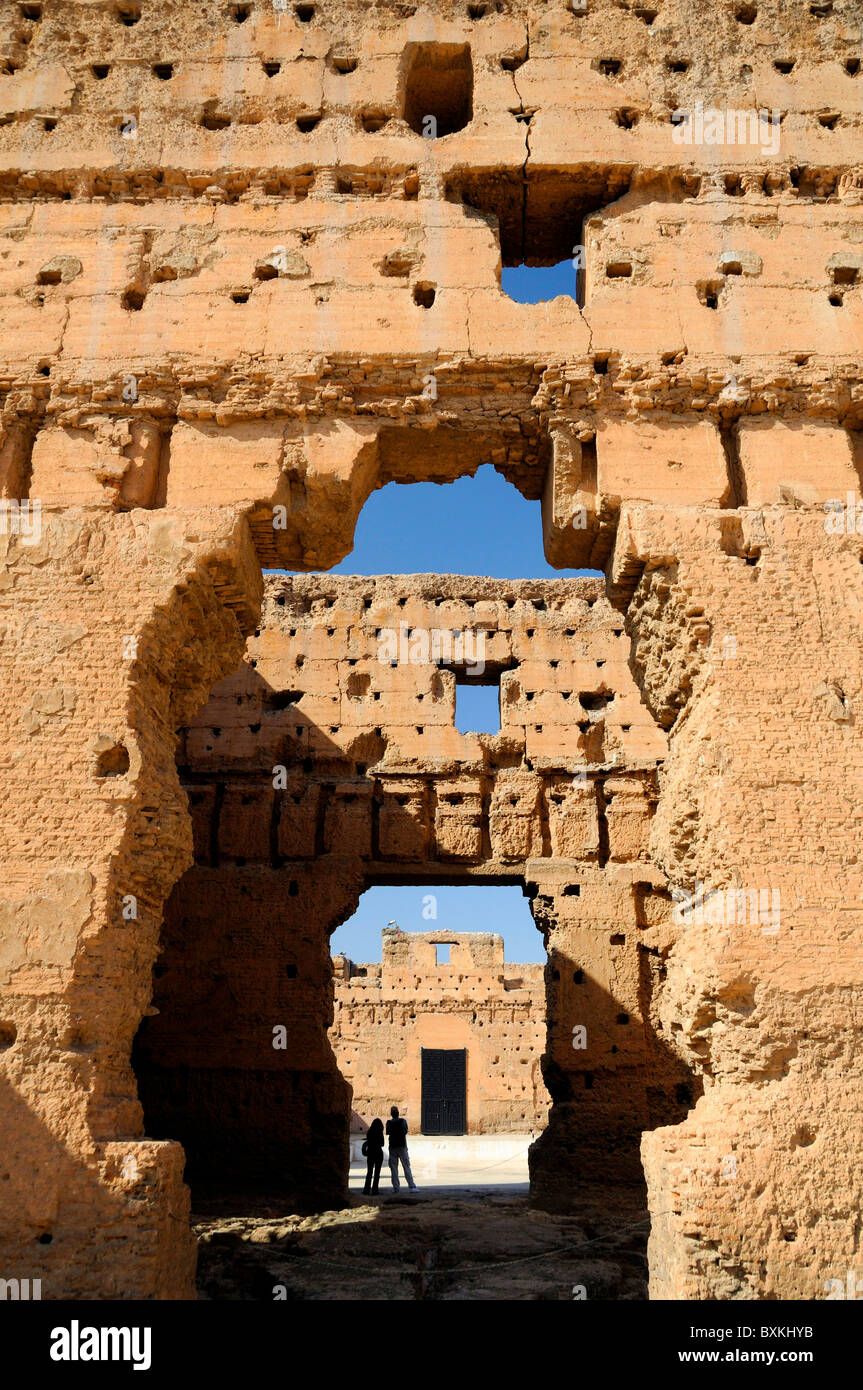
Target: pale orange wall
384 1019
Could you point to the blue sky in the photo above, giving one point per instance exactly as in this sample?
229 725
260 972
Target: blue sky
533 285
502 910
478 525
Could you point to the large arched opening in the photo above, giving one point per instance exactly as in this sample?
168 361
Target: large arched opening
332 761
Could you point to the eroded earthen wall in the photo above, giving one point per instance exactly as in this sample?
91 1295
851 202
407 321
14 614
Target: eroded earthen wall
240 291
310 777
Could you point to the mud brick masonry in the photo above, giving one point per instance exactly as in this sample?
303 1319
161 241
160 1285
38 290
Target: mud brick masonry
388 1012
376 785
240 290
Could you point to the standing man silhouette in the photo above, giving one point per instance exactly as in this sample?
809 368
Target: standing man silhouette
397 1134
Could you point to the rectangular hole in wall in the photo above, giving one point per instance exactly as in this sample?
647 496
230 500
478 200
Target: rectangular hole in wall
477 707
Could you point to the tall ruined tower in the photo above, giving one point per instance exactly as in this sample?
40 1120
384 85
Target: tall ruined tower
250 263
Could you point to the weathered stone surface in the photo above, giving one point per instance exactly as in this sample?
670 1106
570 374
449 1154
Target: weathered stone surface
240 291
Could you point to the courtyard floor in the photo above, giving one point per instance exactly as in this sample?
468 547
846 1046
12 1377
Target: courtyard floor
455 1239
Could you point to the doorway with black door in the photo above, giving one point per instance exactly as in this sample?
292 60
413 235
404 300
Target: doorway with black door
444 1090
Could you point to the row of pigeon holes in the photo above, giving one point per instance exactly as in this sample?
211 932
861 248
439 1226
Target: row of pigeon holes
709 291
128 12
626 117
344 64
842 275
313 608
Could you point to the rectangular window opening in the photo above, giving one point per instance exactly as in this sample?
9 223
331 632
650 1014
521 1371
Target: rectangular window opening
477 707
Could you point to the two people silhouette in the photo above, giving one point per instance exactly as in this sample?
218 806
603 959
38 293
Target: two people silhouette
373 1148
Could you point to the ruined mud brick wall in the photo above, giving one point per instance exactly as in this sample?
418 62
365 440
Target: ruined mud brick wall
386 1013
766 764
235 277
330 761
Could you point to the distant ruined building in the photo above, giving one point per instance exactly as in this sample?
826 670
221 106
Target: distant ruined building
250 265
456 1044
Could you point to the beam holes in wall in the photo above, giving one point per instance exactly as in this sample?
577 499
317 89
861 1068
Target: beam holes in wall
113 762
373 121
708 293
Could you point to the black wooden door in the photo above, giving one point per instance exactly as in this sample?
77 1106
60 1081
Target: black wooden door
444 1093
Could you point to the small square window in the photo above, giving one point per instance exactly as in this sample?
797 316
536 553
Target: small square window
442 954
477 707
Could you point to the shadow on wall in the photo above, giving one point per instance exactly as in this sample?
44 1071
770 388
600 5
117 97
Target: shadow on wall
235 1063
622 1082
